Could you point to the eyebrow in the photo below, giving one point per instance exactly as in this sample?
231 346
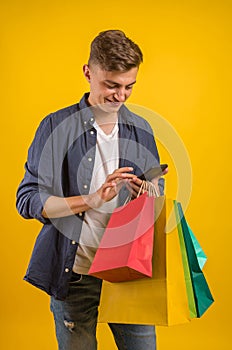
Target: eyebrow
114 83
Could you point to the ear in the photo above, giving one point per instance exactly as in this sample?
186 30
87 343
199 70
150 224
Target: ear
86 72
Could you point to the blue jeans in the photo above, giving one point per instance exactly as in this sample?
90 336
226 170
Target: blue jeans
76 320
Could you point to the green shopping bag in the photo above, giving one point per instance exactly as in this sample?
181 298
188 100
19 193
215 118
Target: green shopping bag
202 295
201 257
187 274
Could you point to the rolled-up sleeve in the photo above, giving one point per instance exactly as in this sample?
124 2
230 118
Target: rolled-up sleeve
36 187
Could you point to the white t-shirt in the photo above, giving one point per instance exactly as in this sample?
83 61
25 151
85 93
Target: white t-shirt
95 221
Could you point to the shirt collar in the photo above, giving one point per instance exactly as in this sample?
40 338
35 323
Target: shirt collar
86 113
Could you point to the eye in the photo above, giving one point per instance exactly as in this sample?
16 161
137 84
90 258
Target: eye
110 86
129 87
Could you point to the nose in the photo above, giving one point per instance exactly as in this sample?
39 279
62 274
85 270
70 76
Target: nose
120 95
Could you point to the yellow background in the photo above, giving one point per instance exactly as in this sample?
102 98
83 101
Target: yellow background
186 77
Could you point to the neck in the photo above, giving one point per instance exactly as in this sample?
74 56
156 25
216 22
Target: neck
105 119
102 117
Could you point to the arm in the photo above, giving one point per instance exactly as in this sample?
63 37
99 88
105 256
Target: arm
30 197
36 197
60 207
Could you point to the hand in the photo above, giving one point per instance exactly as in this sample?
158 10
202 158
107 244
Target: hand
155 180
134 185
114 183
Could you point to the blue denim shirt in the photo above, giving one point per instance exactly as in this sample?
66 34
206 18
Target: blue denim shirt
60 162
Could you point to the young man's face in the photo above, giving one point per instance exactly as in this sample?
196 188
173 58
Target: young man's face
109 90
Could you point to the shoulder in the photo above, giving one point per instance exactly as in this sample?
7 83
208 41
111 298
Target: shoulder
57 117
49 123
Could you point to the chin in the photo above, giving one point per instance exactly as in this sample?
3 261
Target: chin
110 107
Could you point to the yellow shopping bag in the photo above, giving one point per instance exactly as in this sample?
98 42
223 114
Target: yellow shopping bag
160 300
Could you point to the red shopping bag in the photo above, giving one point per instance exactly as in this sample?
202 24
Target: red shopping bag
125 251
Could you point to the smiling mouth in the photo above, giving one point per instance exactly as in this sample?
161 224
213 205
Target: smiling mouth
113 103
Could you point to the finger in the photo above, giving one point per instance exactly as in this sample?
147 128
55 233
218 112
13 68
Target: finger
120 184
134 186
137 181
123 170
133 192
165 171
118 175
133 189
109 185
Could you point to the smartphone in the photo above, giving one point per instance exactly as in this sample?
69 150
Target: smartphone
153 172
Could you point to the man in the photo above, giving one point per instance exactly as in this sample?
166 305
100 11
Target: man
83 162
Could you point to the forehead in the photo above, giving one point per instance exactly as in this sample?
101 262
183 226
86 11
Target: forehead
122 78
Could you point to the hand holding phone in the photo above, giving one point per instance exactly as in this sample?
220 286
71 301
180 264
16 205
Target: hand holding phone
153 172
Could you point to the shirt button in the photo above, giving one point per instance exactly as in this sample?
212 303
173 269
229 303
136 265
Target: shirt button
66 270
80 214
90 159
73 242
85 186
91 119
92 132
85 122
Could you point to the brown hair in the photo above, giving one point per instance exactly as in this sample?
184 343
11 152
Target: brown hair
113 51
